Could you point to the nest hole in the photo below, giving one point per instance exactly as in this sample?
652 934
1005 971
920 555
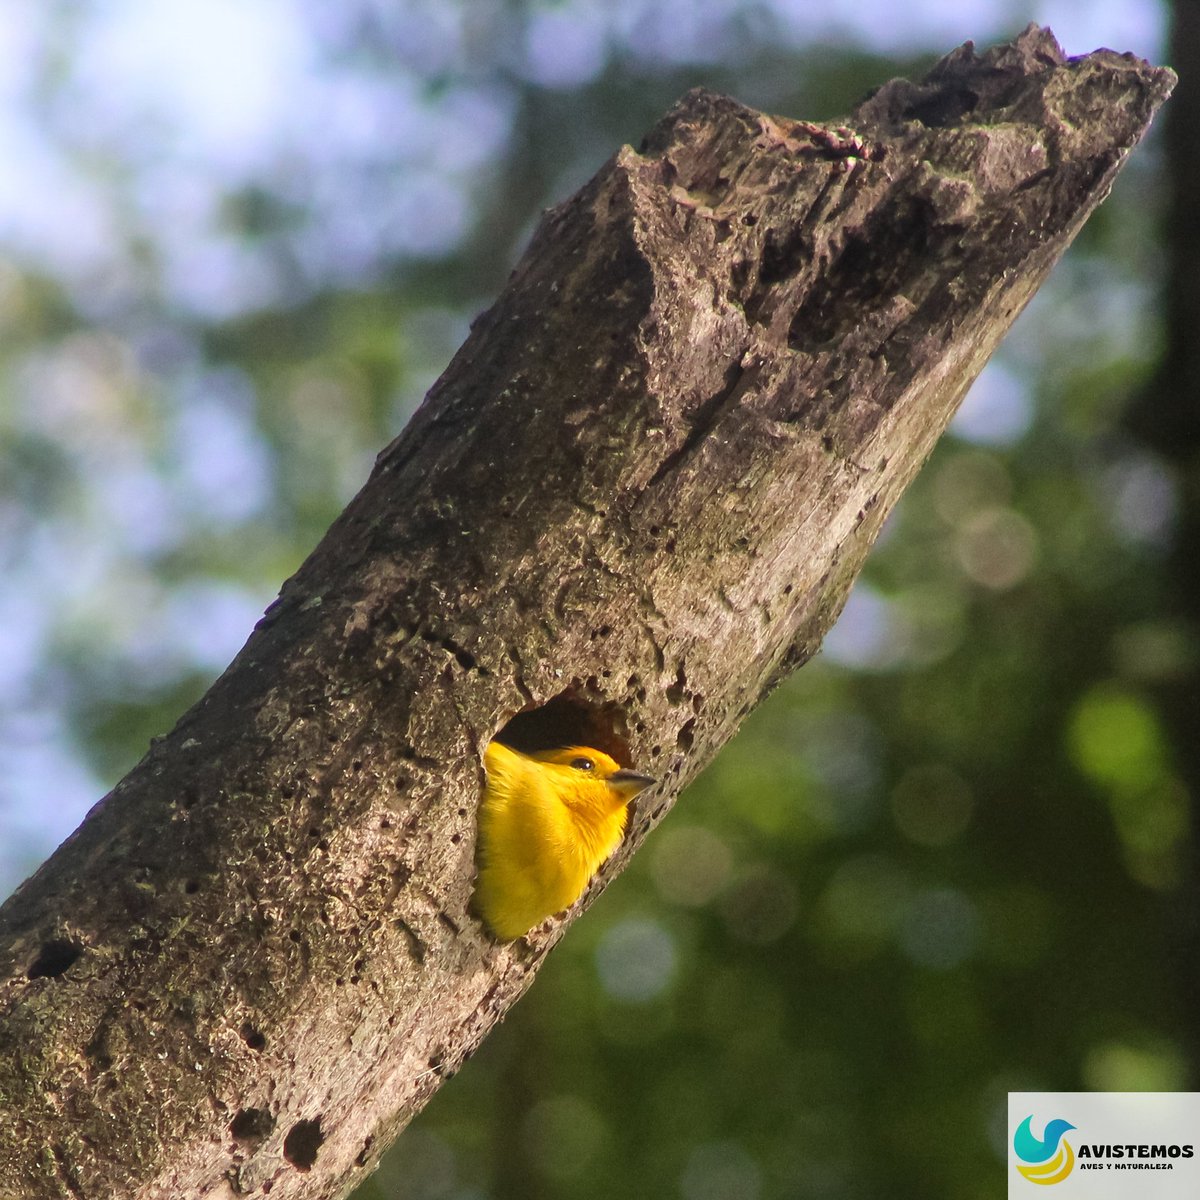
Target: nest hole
572 718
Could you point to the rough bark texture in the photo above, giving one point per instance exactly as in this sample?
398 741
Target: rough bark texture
639 496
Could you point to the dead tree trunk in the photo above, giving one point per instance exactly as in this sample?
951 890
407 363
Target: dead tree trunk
636 499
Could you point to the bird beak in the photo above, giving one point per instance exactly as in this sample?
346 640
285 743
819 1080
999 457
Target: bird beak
630 782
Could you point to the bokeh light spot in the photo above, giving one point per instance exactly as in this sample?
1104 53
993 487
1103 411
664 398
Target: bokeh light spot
562 1135
1115 738
941 928
636 960
864 636
997 410
1143 496
967 481
690 865
996 548
860 907
721 1171
1121 1067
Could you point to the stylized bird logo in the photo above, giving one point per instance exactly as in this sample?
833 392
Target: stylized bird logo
1049 1162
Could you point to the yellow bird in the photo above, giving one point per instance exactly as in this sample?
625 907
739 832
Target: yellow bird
546 823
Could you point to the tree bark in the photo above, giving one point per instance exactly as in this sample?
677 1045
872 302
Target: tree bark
635 500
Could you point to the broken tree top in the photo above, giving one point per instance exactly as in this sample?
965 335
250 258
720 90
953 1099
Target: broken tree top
975 167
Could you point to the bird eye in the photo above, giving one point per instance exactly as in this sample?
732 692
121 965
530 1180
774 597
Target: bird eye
583 764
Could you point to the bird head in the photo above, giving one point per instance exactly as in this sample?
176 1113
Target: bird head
592 776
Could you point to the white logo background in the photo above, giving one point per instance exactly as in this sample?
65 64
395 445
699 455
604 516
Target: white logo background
1112 1119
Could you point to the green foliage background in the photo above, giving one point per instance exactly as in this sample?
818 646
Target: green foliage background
946 860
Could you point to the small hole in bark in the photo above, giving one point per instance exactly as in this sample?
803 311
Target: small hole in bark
323 844
252 1125
302 1143
750 219
314 831
402 781
287 791
192 886
462 812
385 823
669 548
188 798
455 838
356 765
54 958
295 936
253 1037
364 1154
685 736
787 591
